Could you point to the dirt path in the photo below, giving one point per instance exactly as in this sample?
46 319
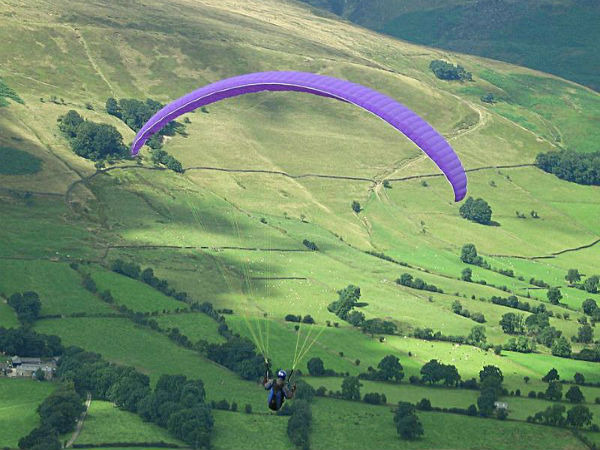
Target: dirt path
93 63
80 422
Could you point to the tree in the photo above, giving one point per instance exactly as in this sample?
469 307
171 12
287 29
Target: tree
491 376
41 438
192 425
431 372
561 347
356 318
69 123
356 207
589 306
299 424
591 284
407 423
315 367
554 391
468 255
486 402
477 335
573 276
351 388
552 375
112 107
579 416
585 334
579 378
476 211
61 409
466 275
512 323
347 299
554 295
574 395
390 368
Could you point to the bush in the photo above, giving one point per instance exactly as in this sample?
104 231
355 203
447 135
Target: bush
248 408
476 210
446 71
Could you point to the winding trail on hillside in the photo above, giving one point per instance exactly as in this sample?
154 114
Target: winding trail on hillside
90 58
80 422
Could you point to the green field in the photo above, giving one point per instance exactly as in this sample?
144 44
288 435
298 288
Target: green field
249 431
234 238
58 286
135 295
195 326
104 420
343 424
19 399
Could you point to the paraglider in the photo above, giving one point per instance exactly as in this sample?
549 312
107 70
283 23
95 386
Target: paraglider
279 389
382 106
386 108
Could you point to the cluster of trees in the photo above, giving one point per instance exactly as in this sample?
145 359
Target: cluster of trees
388 369
581 168
160 156
468 255
511 302
457 308
407 280
135 113
58 415
476 336
310 245
293 318
476 210
407 422
27 305
237 354
343 307
520 344
133 270
91 140
176 403
316 368
591 284
538 326
25 342
446 71
578 416
434 371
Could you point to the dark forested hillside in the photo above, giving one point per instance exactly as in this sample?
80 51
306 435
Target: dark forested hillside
558 37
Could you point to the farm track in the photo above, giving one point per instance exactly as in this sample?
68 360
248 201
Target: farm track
80 422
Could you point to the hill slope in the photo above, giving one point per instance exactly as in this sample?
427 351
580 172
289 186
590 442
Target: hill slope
557 37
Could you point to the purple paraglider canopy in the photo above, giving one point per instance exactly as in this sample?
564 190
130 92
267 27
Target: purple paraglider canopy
388 109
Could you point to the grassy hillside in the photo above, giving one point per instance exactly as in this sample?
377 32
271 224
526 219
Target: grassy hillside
19 399
264 172
552 36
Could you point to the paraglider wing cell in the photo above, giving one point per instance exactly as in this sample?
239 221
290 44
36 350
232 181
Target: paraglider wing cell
394 113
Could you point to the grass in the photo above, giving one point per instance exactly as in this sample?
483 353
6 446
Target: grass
195 326
8 318
248 431
106 423
134 294
58 286
19 399
18 162
120 341
338 424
